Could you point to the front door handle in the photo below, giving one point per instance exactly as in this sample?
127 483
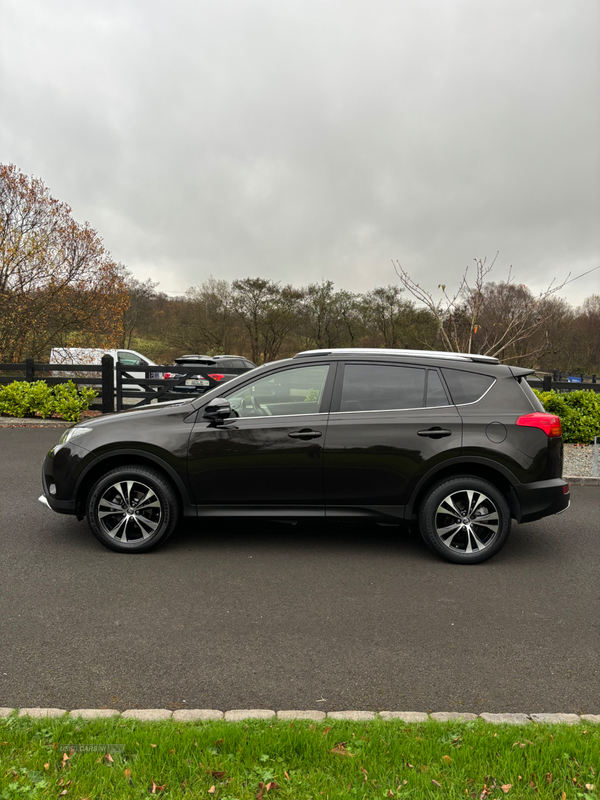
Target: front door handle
305 434
435 433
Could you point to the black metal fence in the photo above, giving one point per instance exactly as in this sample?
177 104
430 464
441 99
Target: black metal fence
565 382
117 385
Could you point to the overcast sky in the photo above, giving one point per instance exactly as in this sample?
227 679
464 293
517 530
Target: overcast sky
302 140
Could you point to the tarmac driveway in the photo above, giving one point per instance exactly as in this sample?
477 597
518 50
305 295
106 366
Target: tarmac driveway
245 614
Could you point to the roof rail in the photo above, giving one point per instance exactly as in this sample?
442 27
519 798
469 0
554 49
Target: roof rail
383 351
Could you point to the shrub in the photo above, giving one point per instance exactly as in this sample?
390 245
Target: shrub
24 399
579 413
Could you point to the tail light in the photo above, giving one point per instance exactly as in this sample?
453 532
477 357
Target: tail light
169 375
549 423
217 377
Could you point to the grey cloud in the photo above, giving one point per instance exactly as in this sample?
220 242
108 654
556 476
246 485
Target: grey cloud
303 140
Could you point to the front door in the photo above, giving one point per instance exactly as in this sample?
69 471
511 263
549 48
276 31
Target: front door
270 452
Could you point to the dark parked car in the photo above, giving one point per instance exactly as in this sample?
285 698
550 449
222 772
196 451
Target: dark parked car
459 443
212 370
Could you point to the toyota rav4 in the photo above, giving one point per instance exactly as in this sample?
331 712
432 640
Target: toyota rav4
458 443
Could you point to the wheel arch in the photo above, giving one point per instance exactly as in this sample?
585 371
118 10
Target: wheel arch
113 460
496 474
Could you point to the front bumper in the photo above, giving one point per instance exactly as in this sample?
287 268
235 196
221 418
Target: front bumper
61 469
534 501
47 499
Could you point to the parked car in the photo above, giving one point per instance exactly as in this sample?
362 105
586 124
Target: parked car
456 442
212 371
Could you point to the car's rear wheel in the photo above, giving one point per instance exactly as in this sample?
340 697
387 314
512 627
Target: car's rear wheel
132 509
465 520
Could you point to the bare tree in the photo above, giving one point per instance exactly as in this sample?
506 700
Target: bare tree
498 319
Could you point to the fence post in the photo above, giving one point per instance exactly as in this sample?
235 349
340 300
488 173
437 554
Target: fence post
108 384
547 383
29 369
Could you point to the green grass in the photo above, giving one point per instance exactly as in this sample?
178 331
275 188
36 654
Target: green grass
277 760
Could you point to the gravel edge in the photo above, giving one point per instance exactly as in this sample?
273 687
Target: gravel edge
237 715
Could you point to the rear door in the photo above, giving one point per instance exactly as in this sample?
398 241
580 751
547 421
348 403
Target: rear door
389 425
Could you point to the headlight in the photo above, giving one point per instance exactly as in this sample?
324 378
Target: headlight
71 433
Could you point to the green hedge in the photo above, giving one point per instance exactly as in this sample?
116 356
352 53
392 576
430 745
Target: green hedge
579 413
24 399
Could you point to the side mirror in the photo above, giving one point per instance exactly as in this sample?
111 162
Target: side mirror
217 410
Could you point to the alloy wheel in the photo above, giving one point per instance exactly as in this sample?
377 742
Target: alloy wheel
129 511
467 521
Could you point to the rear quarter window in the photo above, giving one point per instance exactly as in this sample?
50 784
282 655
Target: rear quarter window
466 387
530 395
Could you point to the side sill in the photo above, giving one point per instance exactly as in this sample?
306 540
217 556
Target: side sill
365 512
255 511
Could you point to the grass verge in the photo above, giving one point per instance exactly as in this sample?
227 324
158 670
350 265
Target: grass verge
266 760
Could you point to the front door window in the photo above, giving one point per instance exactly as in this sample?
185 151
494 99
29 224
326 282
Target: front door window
290 392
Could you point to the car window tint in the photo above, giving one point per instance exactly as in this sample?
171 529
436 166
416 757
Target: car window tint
466 387
291 391
248 363
376 387
436 396
226 363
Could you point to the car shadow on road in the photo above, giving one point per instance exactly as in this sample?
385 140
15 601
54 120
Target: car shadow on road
309 534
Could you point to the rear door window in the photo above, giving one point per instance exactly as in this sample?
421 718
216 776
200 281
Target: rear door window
381 387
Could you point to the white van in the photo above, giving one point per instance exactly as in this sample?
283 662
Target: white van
93 355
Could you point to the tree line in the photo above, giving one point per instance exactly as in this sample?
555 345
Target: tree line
60 287
265 320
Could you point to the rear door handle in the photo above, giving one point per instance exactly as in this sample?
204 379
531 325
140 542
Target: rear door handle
435 433
305 434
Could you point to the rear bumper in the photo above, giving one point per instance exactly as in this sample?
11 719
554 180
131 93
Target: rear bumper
540 499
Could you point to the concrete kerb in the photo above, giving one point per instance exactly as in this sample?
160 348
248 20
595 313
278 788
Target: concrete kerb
239 715
41 713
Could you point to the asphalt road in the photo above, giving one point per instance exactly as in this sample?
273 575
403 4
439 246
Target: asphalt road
326 616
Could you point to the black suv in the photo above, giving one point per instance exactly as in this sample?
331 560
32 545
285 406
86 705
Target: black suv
457 442
212 370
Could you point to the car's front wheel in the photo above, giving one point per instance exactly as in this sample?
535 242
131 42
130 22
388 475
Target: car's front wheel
465 520
132 509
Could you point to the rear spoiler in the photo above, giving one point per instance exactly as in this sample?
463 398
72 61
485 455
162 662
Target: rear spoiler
520 372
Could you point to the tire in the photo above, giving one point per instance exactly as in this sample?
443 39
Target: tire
132 509
465 520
